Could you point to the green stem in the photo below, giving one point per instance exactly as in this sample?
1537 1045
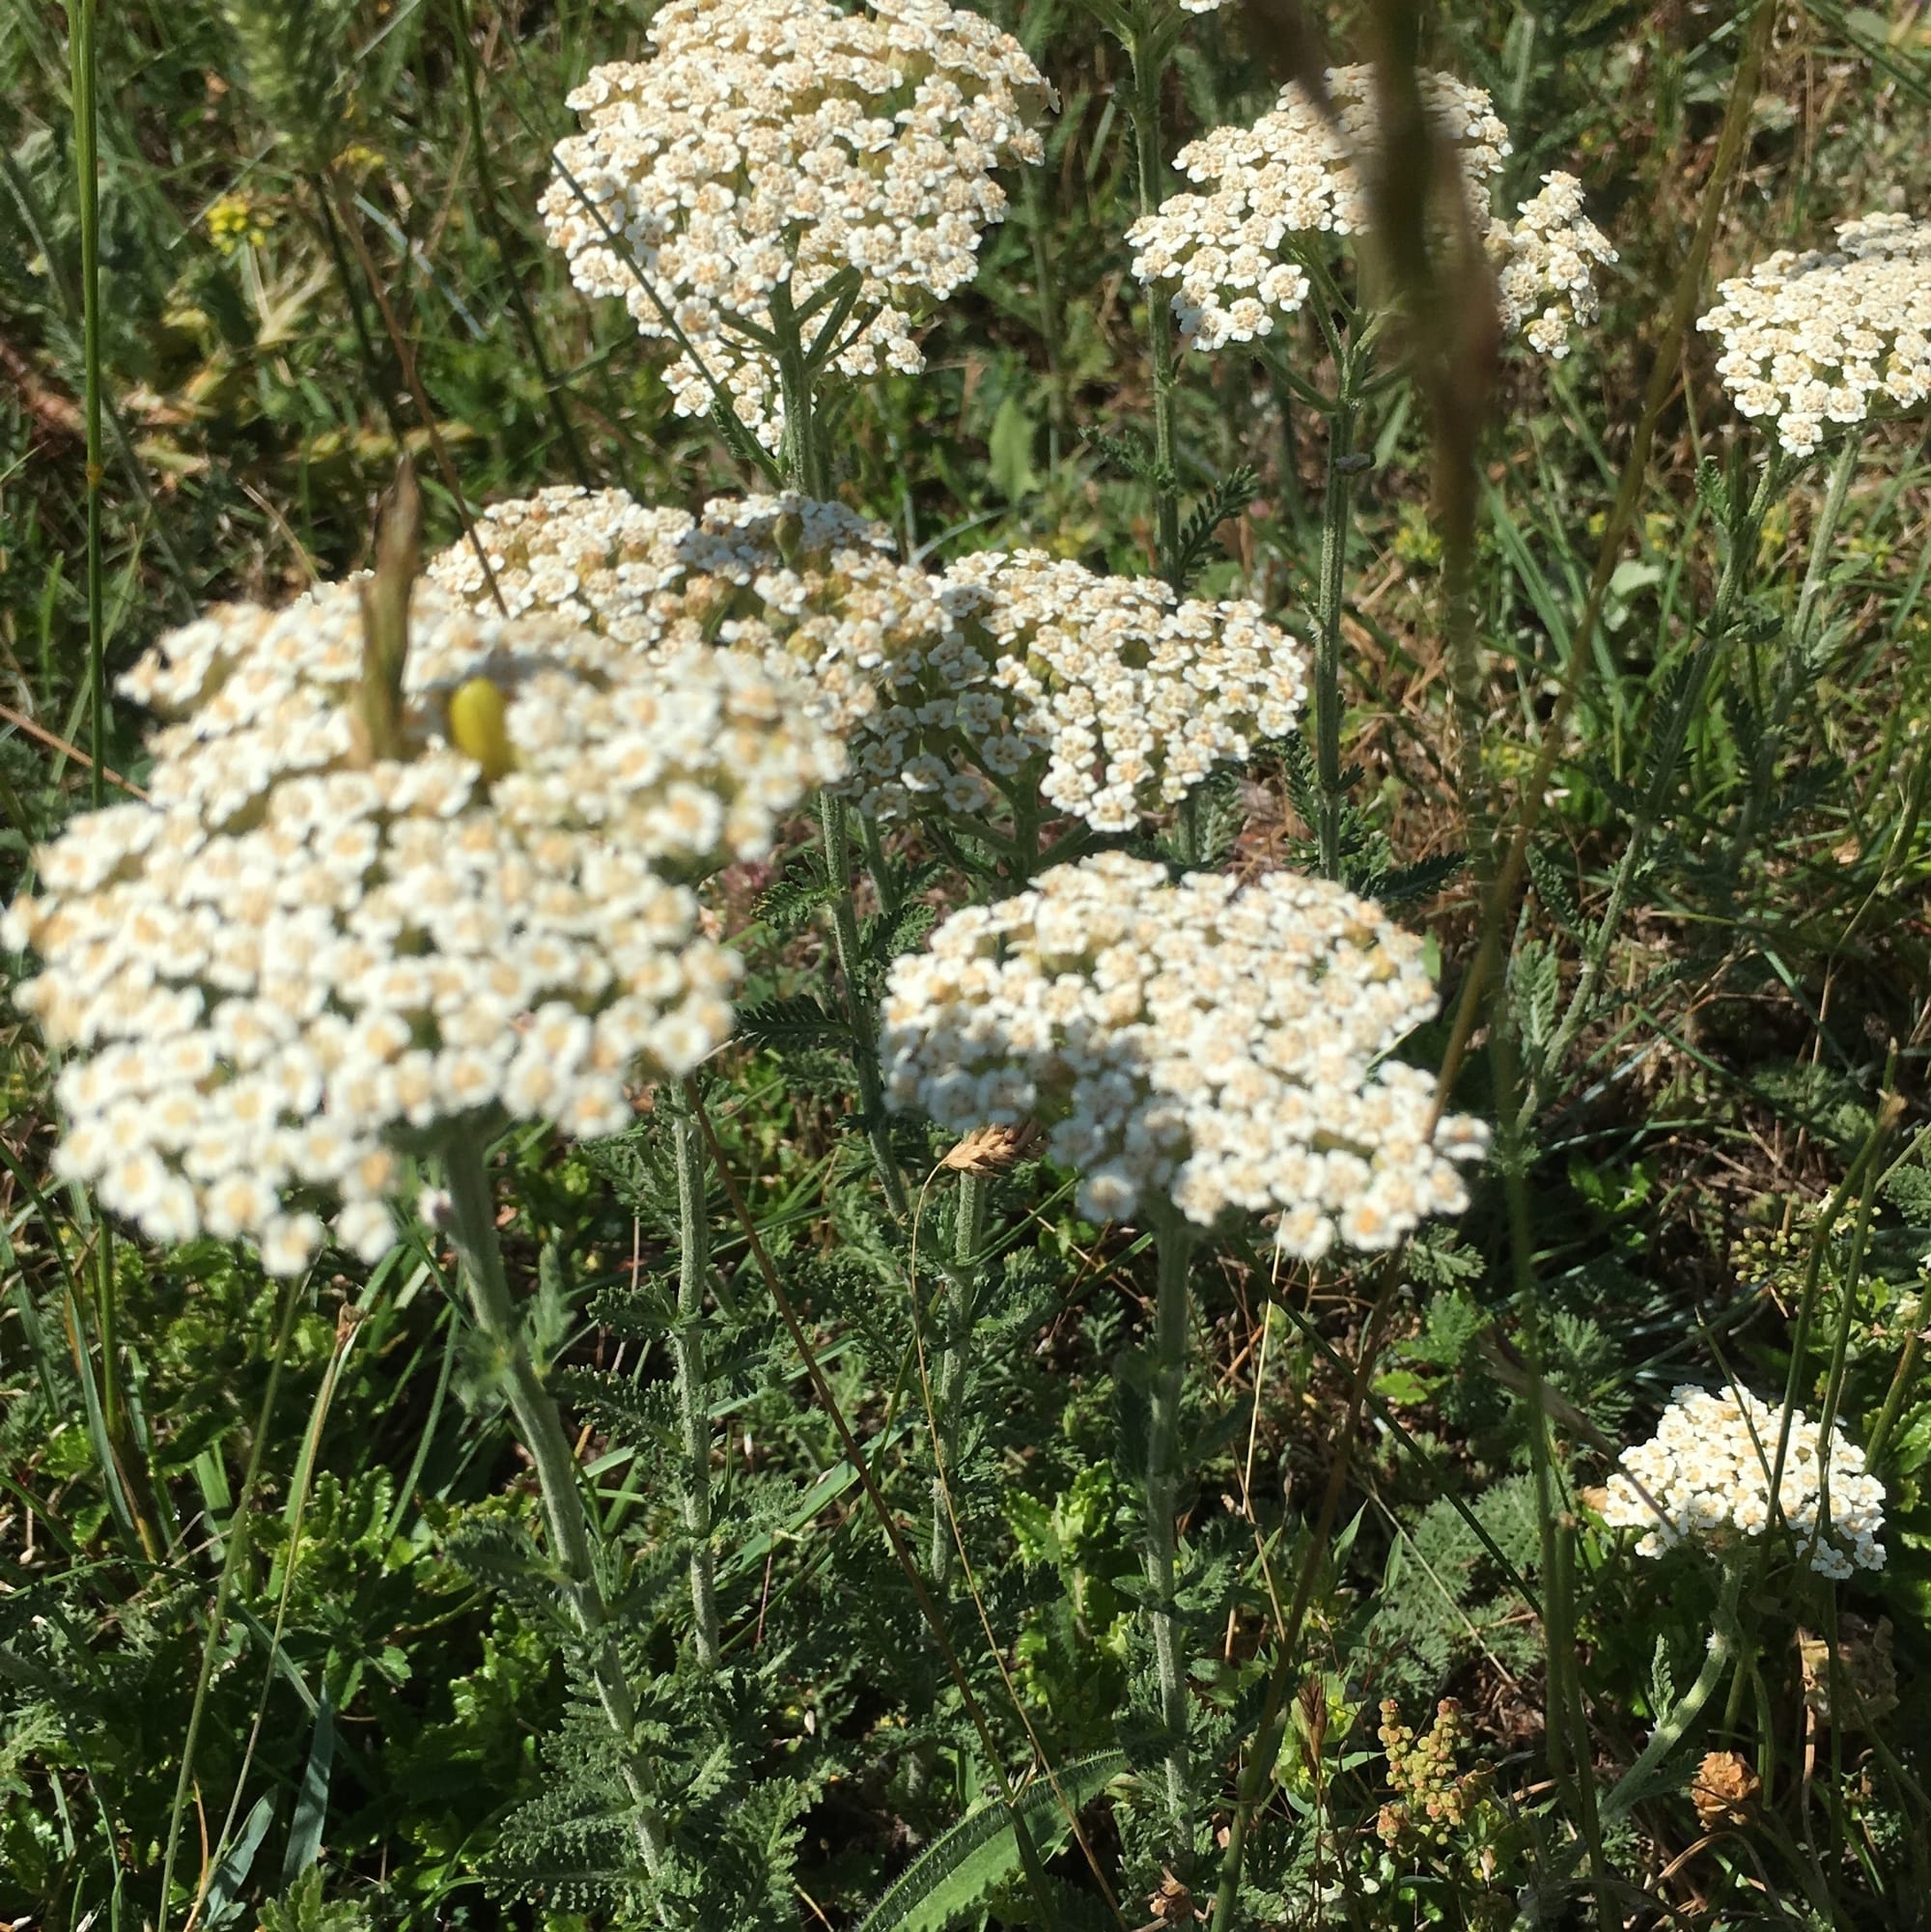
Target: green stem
693 1254
803 458
473 1226
1633 1785
1336 503
87 173
1650 807
1257 1773
834 824
884 882
1853 1184
1796 654
1152 178
486 180
1173 1246
236 1541
967 1235
1893 1401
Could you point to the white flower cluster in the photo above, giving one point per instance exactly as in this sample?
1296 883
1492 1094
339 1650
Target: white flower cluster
1131 693
1833 335
1297 172
1220 1043
1705 1477
295 956
1111 694
773 145
1543 264
785 581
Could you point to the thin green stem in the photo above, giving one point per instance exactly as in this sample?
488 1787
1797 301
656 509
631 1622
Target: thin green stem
87 180
473 1226
87 183
1496 917
486 181
802 456
1257 1773
1796 654
694 1257
968 1234
1566 1717
1151 174
1336 503
834 825
1852 1186
1173 1246
239 1521
878 862
1893 1401
1672 737
1633 1784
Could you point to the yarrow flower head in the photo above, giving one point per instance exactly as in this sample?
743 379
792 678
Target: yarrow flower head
1271 190
1216 1044
1545 265
1113 695
297 959
1130 693
1704 1478
1833 335
770 147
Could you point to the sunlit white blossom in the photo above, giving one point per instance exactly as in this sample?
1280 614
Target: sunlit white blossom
1704 1478
767 147
1112 697
1235 250
296 958
1832 336
1217 1044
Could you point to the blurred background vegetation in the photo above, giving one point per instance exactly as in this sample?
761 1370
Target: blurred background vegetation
283 315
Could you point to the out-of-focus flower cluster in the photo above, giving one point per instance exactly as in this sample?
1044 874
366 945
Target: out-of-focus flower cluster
769 145
1217 1044
1704 1478
1831 335
1297 172
1111 694
296 956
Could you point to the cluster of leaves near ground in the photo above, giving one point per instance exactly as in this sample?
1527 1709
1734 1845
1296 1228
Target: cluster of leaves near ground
388 1732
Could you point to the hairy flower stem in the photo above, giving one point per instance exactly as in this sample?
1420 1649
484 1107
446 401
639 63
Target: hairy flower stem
961 1308
1149 64
1336 504
1797 650
834 824
474 1225
1672 735
693 1256
1173 1246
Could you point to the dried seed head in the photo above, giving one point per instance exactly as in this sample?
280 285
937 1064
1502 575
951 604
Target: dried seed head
1723 1789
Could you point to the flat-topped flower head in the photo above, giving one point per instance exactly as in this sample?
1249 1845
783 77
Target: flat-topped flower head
1220 1044
297 959
767 147
1269 193
1111 695
1128 694
799 586
1832 336
1704 1478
